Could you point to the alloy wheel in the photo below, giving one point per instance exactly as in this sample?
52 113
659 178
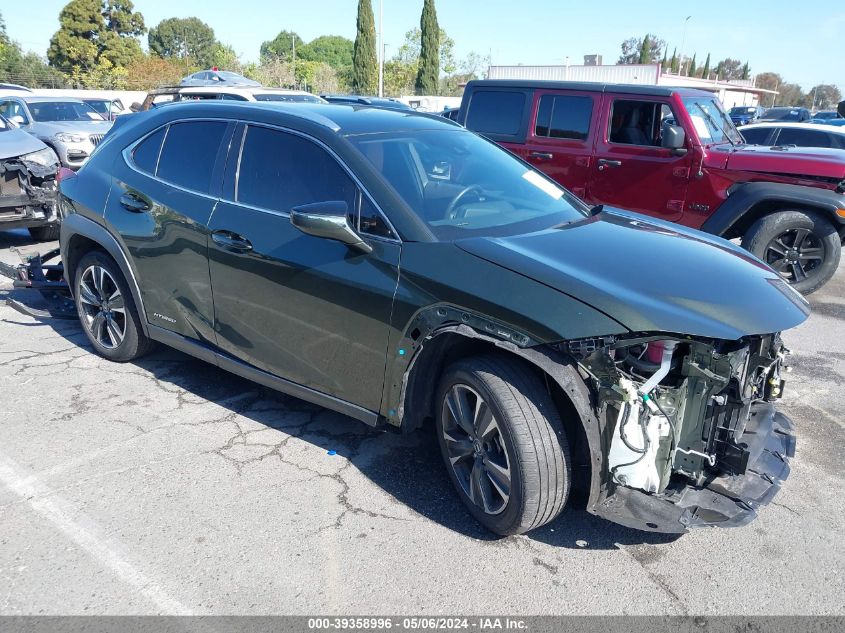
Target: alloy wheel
103 308
795 254
476 449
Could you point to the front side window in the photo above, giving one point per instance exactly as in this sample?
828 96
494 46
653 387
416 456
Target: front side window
564 116
495 112
189 153
461 185
279 171
635 122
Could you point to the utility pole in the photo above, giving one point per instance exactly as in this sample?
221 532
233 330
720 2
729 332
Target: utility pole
683 42
381 48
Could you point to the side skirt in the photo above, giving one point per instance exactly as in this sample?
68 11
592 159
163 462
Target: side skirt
266 379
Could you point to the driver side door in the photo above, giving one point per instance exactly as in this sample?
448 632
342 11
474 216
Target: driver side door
310 310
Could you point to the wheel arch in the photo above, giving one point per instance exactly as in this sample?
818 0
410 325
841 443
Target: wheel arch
748 202
79 235
564 382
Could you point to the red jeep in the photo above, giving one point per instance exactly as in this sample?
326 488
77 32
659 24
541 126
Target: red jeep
673 153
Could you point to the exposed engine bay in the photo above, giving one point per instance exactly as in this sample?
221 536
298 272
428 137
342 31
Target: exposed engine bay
684 417
27 193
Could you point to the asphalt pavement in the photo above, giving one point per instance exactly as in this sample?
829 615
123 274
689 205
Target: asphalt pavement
169 486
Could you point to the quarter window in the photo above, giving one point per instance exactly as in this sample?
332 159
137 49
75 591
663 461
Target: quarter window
279 171
146 153
564 116
496 112
189 153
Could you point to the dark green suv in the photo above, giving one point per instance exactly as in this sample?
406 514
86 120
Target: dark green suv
400 269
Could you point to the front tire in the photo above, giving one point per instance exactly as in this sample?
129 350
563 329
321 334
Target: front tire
106 309
802 246
503 443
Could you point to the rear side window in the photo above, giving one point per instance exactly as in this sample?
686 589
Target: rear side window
279 171
496 112
564 116
756 136
146 152
804 138
189 153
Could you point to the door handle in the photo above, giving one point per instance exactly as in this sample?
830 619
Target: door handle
541 155
136 204
231 241
604 163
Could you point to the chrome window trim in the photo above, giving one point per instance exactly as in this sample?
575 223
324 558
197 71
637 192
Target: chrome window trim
337 159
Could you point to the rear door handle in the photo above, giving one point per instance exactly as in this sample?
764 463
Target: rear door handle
132 202
231 241
604 162
542 155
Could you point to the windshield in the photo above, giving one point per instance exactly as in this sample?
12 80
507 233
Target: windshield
711 123
783 114
44 111
825 115
742 110
461 185
270 96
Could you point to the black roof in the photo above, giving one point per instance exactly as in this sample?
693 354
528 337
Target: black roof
586 86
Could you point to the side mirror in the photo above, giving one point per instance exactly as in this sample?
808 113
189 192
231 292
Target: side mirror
329 220
18 120
674 138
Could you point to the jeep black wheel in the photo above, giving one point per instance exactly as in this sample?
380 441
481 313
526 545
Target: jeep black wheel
106 309
503 443
802 246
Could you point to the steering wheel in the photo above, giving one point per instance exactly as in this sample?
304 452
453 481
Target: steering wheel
450 210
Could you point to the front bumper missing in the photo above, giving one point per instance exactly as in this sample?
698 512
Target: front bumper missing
725 500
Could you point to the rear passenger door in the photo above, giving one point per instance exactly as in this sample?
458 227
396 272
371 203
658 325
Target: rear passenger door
307 309
162 196
559 140
631 170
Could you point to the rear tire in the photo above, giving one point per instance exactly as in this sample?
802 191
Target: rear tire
106 309
503 443
45 233
802 246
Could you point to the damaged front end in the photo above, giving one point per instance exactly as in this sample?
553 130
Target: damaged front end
689 432
28 188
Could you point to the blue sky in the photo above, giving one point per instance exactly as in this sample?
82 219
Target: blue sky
803 44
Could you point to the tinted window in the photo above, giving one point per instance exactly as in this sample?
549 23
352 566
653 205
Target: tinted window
146 153
189 153
639 122
756 136
564 117
804 138
495 112
371 221
279 171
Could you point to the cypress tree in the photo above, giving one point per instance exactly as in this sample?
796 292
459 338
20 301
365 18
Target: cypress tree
364 61
428 76
705 74
746 71
691 70
673 63
645 50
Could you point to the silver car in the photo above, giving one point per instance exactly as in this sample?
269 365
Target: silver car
71 127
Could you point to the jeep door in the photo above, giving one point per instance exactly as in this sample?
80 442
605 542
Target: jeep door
310 310
630 169
558 142
163 192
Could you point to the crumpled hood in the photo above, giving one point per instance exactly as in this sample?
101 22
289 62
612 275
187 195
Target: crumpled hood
16 142
51 128
652 276
798 161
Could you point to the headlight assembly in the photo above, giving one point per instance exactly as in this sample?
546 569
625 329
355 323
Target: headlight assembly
64 137
44 157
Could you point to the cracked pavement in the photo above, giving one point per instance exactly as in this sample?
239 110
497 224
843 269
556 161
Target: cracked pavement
169 486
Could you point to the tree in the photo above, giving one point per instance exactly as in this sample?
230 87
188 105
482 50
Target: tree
334 50
705 72
428 75
729 69
189 39
673 61
691 69
664 61
789 94
282 45
746 71
823 97
151 71
650 49
364 60
95 37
